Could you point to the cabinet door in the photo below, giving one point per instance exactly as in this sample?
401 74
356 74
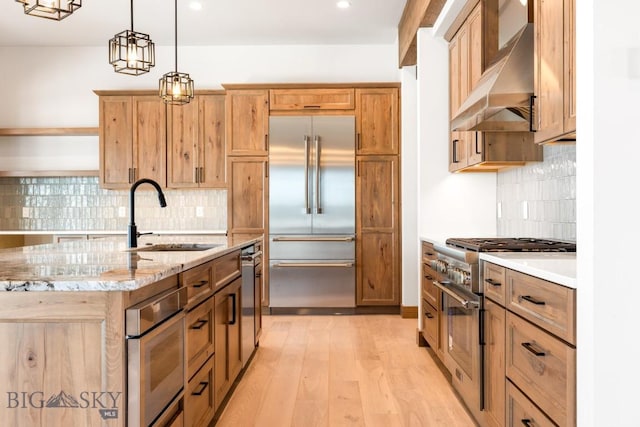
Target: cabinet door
377 231
248 122
570 65
494 367
248 195
116 141
377 121
312 99
150 138
548 69
212 154
183 145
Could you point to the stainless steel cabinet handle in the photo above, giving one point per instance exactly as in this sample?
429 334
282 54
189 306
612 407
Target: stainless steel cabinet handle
314 239
312 264
306 174
463 302
317 192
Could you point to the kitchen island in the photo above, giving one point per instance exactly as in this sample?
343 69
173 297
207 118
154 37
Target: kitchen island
62 323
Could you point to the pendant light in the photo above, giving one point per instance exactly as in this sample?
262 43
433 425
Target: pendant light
176 88
131 52
50 9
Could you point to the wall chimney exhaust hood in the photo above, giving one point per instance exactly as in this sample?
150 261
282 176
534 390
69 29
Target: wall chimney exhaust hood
502 96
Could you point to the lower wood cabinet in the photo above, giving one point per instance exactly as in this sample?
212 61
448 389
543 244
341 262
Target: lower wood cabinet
228 357
494 366
200 396
199 336
521 411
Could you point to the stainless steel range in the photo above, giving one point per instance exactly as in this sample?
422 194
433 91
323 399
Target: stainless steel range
459 279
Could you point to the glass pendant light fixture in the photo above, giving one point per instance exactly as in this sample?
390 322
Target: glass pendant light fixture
131 52
176 88
50 9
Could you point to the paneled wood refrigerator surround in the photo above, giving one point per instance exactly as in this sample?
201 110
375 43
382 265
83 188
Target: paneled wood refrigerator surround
530 350
555 70
133 141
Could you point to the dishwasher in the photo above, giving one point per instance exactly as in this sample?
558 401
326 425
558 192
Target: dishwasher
251 319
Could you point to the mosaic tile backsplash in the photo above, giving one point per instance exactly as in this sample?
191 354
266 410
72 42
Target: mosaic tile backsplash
79 204
544 192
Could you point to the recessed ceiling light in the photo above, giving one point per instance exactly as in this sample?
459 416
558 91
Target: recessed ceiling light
344 4
195 5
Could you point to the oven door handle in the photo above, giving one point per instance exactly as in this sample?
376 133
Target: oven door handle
466 303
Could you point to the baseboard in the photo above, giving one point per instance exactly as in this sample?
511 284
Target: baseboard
409 312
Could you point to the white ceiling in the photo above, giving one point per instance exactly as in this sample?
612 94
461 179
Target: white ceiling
220 22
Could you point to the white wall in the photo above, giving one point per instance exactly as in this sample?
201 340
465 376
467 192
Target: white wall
451 205
608 56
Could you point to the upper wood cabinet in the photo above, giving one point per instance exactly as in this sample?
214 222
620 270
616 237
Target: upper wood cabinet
132 140
196 143
248 195
247 122
312 99
470 52
377 121
555 66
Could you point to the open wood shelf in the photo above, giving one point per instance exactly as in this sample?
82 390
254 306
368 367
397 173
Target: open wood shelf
72 131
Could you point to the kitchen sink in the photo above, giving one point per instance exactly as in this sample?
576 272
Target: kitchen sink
176 247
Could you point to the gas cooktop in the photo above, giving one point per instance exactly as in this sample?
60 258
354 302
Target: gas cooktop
511 244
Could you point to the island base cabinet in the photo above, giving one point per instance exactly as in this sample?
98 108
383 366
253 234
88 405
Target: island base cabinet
200 397
228 357
520 410
60 369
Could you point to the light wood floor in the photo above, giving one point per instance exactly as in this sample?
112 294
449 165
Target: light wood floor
363 370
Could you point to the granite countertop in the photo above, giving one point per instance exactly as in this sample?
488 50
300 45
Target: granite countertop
104 264
557 267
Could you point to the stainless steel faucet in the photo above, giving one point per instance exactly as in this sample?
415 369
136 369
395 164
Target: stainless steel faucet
132 232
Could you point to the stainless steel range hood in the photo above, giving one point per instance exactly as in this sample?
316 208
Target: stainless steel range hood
500 100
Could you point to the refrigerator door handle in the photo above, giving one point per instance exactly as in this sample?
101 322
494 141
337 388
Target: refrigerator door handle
314 239
306 174
312 264
316 140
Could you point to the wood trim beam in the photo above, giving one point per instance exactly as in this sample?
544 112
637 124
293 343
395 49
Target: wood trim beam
72 131
416 14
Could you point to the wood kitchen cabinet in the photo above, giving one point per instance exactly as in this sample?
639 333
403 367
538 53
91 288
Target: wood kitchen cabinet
377 230
530 353
247 126
228 358
196 143
132 140
297 99
555 71
377 116
471 50
248 199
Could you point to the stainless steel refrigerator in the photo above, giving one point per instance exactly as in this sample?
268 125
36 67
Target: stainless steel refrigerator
312 211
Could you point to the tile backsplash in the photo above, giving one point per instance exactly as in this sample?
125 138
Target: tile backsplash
544 193
79 204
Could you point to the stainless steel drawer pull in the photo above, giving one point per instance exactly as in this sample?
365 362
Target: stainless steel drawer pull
314 239
203 386
532 300
313 264
531 349
493 282
199 324
527 422
428 315
201 284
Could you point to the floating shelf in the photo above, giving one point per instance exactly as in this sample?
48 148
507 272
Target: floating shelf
75 131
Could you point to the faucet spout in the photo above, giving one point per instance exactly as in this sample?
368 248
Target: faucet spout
132 231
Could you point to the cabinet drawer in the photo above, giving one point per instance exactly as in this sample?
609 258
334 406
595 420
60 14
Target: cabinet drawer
548 305
520 410
543 367
226 268
199 399
312 99
495 282
429 290
428 252
199 335
199 283
430 324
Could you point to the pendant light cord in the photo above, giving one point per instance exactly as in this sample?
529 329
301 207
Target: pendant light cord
175 16
132 15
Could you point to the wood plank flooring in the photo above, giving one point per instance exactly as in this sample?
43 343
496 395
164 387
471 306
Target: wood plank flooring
363 370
